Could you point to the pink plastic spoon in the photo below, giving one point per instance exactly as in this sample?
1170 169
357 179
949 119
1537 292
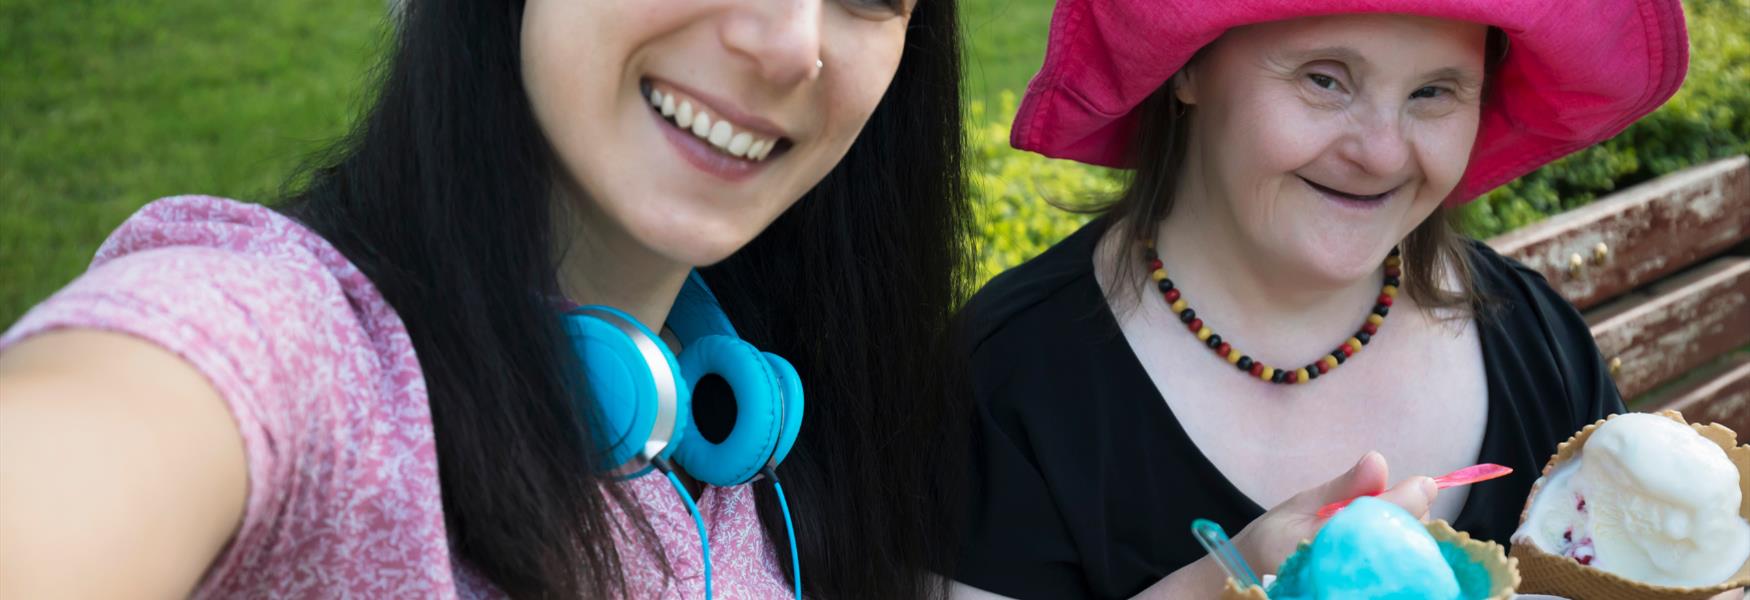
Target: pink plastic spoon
1465 476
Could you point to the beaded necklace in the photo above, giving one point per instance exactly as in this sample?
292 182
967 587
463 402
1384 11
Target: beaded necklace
1387 291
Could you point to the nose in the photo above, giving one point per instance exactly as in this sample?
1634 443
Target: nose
1377 144
780 37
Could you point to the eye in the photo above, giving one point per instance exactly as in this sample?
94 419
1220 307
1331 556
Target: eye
1323 81
1430 91
878 9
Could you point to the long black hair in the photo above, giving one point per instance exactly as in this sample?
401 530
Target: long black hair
441 196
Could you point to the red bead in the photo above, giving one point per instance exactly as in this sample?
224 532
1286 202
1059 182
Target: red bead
1385 299
1389 271
1370 328
1172 295
1293 377
1154 264
1257 369
1195 325
1345 350
1320 365
1224 349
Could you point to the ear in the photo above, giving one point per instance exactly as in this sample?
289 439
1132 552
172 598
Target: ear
1184 86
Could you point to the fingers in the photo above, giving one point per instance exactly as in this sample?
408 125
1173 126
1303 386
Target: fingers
1415 495
1367 477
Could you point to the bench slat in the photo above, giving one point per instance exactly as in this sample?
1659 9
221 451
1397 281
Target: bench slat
1673 326
1725 399
1649 231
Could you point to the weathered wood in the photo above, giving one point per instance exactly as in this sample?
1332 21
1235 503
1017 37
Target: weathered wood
1647 231
1724 399
1656 334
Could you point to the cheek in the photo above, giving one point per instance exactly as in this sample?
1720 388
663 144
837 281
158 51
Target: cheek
864 65
1264 140
1443 150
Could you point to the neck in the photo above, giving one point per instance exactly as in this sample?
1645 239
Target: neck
1265 307
600 264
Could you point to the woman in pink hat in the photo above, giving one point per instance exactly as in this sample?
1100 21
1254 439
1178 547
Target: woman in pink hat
1278 291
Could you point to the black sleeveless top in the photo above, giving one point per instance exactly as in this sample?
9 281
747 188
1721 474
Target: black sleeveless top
1083 485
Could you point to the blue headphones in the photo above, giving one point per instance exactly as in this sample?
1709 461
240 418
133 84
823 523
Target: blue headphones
643 395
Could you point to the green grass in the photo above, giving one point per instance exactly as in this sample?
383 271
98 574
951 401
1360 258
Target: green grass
107 105
1005 43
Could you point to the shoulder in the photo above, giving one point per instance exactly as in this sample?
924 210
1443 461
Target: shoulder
1034 295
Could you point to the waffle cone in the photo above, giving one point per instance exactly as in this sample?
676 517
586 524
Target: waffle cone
1503 578
1546 573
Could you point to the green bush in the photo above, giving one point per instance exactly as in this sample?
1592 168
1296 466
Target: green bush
1709 118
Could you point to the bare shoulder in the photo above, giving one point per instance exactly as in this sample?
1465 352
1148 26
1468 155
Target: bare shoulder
116 457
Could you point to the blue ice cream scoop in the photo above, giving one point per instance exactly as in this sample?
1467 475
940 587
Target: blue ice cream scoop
1371 550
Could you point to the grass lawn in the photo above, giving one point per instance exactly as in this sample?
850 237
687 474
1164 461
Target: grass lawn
107 105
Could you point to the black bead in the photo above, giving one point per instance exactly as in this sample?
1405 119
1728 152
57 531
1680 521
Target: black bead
1391 281
1278 376
1363 337
1339 356
1394 250
1185 317
1245 363
1165 285
1148 254
1214 342
1312 372
1381 309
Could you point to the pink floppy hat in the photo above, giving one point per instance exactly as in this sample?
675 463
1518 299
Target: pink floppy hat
1576 71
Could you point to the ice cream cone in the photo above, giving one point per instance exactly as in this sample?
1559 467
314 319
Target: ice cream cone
1503 578
1546 573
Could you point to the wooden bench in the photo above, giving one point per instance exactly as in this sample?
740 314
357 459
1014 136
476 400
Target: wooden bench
1662 273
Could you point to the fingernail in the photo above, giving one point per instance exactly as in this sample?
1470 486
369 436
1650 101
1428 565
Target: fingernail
1429 489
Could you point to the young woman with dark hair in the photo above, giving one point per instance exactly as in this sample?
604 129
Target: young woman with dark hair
369 390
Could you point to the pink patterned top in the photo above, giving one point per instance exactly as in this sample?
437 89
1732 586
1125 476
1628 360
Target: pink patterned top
321 378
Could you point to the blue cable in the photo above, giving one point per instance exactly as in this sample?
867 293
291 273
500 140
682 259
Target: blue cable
789 528
704 540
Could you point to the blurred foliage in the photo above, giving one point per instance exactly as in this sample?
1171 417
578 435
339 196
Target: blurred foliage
1709 118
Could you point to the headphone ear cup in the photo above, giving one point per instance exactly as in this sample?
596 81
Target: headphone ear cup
622 401
750 443
790 386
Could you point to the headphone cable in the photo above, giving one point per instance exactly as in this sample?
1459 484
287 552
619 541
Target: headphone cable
698 520
789 528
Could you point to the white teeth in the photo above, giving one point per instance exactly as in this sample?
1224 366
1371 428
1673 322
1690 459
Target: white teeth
684 115
720 133
701 124
738 145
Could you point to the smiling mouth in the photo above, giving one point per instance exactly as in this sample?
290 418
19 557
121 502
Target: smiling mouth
692 116
1346 195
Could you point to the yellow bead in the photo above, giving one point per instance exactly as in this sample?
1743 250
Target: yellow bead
1393 261
1301 376
1233 356
1150 244
1267 373
1159 274
1376 320
1203 334
1390 290
1330 362
1179 305
1354 344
